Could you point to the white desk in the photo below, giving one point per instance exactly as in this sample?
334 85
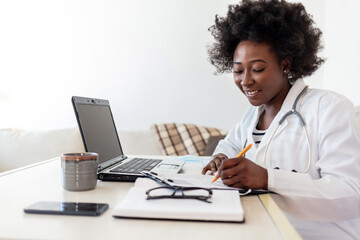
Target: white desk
22 187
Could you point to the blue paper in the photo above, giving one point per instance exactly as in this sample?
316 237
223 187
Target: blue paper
189 158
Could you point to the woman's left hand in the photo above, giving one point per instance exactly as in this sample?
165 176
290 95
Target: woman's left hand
243 173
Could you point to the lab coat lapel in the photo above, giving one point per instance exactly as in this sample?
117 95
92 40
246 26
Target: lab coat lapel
270 131
295 90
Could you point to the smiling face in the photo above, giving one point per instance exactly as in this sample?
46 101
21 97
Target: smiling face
260 75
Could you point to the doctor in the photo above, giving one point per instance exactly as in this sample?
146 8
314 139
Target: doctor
305 143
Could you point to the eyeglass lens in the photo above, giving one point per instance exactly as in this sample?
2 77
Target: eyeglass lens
167 192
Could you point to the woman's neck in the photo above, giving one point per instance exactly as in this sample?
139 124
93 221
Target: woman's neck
271 109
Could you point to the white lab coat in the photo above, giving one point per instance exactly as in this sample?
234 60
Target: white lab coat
329 194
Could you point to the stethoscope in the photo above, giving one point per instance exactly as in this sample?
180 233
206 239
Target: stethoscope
303 125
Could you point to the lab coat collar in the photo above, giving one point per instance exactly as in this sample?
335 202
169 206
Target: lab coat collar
294 91
254 121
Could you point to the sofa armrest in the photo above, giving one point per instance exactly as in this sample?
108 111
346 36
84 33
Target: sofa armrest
19 148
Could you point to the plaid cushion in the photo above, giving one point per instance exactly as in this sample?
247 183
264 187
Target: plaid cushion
184 139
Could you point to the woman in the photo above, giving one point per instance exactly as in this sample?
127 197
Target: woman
270 46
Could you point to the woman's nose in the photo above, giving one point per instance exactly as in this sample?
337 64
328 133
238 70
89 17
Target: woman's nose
246 79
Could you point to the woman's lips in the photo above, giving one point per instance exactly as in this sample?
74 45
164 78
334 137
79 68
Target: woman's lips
251 93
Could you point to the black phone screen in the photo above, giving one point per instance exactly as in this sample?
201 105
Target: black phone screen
68 208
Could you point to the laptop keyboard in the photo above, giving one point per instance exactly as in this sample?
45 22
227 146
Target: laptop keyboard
136 165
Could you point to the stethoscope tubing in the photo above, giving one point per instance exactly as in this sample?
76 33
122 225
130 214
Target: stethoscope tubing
303 125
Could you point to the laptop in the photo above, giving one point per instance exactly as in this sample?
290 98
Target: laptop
99 134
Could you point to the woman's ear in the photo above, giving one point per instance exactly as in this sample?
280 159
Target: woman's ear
286 65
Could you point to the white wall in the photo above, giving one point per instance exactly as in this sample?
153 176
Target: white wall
147 57
317 10
342 39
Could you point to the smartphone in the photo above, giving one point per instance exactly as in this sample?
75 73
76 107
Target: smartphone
68 208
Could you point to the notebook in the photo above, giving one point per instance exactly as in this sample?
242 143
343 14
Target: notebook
225 206
99 134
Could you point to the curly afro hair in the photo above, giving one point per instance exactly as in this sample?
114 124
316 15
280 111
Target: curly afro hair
287 27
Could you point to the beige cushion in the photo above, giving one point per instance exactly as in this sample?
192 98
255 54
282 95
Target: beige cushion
184 139
19 148
141 142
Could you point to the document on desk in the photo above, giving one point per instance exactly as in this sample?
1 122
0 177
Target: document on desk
198 180
225 206
186 180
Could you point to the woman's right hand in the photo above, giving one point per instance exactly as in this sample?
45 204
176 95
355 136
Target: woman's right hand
214 163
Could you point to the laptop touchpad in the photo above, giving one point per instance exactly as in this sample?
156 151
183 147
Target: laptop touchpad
164 166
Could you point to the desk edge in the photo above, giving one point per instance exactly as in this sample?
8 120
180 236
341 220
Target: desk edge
278 217
27 166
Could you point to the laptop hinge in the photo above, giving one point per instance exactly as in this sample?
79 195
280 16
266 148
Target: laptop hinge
111 162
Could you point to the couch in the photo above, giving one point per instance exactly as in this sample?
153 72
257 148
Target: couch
20 148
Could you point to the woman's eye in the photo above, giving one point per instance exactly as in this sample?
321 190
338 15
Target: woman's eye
238 71
259 70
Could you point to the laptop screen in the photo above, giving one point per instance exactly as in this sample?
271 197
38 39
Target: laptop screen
98 128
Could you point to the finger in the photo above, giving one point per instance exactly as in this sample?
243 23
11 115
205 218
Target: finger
217 162
232 171
213 168
205 169
235 181
229 163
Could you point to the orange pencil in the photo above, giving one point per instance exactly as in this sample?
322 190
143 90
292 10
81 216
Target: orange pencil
239 155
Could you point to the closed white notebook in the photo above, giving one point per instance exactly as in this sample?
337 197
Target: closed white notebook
225 206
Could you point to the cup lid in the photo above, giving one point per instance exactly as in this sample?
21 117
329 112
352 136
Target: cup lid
80 156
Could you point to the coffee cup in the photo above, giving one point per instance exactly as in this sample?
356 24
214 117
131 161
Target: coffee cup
79 171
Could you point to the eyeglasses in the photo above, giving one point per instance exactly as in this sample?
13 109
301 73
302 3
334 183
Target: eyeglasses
202 194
